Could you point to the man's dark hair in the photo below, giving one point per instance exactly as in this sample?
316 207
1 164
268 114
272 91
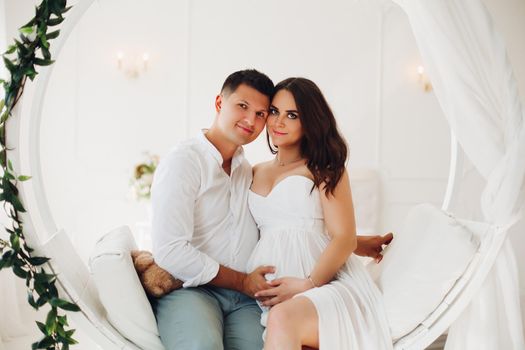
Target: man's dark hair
250 77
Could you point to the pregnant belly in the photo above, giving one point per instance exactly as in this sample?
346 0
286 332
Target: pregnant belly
292 252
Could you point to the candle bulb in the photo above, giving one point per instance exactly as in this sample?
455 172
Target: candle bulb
145 60
120 56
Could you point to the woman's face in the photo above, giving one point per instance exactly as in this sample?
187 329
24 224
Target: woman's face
284 123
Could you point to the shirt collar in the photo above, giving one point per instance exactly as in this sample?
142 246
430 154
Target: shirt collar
238 156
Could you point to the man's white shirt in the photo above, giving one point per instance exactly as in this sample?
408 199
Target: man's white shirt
200 214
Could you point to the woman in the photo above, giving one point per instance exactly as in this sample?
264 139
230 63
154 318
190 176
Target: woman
302 203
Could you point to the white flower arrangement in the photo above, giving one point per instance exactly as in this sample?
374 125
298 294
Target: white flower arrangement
142 179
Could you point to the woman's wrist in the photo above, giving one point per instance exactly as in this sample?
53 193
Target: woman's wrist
311 281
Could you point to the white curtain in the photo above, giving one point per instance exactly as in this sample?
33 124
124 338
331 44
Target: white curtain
473 81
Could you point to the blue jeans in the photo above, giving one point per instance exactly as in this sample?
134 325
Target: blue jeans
208 318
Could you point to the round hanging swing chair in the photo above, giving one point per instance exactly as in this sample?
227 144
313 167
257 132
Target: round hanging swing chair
99 318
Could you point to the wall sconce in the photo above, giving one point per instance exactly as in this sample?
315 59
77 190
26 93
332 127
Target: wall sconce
132 66
423 79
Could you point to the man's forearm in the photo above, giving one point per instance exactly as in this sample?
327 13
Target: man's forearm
229 278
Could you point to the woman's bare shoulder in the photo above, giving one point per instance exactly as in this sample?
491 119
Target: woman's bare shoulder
261 167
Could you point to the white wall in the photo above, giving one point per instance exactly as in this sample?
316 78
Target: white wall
97 121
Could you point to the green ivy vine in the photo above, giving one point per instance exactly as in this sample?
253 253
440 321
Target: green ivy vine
21 60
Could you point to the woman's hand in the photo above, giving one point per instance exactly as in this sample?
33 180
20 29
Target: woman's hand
283 289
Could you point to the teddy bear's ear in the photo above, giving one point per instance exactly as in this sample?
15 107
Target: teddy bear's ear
143 262
135 253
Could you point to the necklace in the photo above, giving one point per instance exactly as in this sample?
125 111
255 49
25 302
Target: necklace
281 163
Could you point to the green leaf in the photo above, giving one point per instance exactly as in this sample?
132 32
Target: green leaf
15 242
25 39
19 271
42 300
42 277
63 304
31 73
60 330
24 178
43 40
66 9
18 205
7 259
27 30
46 53
17 76
55 21
2 104
52 327
45 343
9 64
53 35
53 291
10 165
23 50
38 260
42 28
43 62
4 117
30 23
31 301
71 307
41 326
51 317
63 320
11 49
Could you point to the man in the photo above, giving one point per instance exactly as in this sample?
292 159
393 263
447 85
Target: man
203 232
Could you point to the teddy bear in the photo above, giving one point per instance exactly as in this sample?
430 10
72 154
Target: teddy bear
155 280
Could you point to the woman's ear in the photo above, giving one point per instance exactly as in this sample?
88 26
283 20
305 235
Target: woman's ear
218 103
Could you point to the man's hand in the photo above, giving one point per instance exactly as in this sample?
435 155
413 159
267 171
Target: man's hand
372 246
255 281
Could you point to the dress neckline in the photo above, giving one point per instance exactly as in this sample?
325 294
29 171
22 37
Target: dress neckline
278 183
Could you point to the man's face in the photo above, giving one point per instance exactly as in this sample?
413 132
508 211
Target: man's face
241 114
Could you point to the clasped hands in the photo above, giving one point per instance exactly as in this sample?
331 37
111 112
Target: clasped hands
275 291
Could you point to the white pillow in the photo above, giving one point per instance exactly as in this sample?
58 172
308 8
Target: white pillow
120 291
421 265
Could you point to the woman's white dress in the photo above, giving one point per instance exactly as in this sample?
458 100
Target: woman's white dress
293 236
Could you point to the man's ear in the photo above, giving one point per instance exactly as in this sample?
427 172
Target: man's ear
218 103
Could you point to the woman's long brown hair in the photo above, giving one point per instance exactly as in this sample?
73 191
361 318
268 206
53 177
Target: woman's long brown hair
322 145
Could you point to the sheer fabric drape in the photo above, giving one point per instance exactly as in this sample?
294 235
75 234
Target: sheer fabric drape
473 81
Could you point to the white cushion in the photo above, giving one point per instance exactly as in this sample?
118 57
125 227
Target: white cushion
120 291
366 197
421 265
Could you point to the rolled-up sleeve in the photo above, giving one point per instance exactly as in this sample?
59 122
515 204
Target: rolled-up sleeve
174 193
